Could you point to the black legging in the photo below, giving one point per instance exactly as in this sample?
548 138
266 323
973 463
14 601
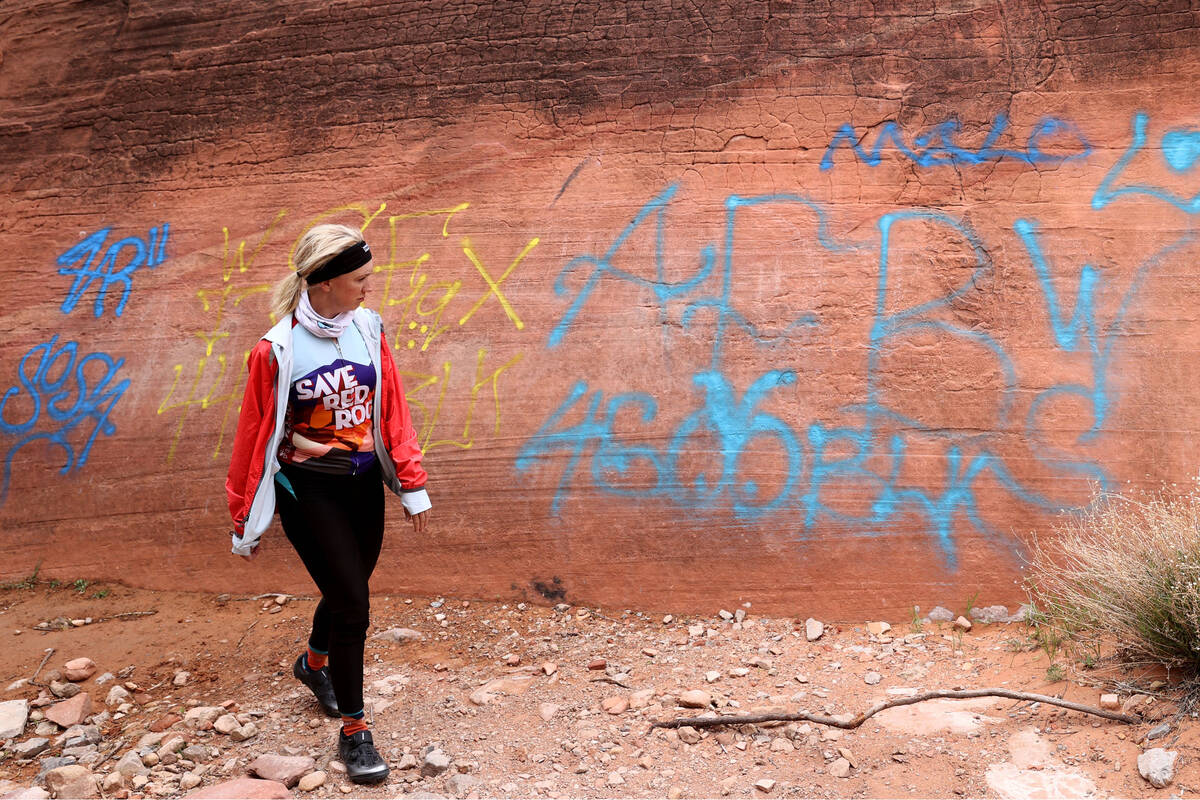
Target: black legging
335 522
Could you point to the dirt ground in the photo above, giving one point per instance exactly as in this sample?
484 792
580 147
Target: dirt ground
547 730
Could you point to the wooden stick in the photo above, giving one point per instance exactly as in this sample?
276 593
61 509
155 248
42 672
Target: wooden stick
45 658
804 716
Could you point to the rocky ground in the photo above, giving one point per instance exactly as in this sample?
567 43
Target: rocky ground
152 694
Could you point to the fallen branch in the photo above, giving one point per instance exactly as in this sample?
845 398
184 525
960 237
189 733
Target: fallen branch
804 716
243 637
45 658
126 614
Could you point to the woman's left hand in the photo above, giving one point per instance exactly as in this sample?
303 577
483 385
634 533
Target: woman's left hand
418 520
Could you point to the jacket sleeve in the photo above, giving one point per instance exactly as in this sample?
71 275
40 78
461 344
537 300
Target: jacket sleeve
255 426
399 435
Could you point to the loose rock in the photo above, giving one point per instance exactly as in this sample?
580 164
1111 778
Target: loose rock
70 712
1158 766
13 716
248 788
435 762
79 669
941 614
615 705
878 628
962 623
688 735
117 695
311 781
840 768
1110 702
285 769
30 747
764 785
247 731
813 629
131 764
72 781
695 698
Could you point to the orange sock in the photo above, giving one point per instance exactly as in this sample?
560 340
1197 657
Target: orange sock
315 660
352 725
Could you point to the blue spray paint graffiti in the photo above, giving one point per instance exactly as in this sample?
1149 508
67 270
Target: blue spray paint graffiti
59 391
939 146
148 252
870 452
1180 151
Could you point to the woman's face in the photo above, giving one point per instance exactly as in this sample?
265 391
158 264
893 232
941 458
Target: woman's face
347 292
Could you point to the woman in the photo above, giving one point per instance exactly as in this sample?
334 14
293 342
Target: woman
324 422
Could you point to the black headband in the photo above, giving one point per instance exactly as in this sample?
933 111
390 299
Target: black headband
348 260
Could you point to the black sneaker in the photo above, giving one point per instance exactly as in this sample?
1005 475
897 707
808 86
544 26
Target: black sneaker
318 681
362 760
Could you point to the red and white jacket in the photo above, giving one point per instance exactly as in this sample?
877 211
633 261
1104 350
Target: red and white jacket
250 485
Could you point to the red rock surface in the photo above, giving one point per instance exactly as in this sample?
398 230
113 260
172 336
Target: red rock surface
803 387
242 788
70 712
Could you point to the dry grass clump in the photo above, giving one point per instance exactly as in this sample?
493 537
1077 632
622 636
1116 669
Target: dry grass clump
1125 574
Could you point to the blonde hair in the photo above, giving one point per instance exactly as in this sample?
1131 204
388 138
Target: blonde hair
318 244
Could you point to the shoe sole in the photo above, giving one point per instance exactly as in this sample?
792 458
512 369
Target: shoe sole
378 777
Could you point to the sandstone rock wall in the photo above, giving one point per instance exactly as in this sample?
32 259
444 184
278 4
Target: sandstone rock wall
821 307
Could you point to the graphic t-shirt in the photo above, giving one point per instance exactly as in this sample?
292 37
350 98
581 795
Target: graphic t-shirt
328 422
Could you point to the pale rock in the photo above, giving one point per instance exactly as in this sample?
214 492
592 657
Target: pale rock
32 793
641 698
181 678
70 712
311 781
782 746
872 678
131 764
712 676
226 724
285 769
695 698
188 781
512 659
434 763
112 782
1110 702
30 747
549 668
878 628
247 731
962 623
13 716
244 788
846 754
407 761
615 779
765 785
547 711
695 631
739 672
840 768
72 780
941 614
1158 766
79 669
688 735
201 718
615 705
117 696
725 615
459 784
137 782
674 792
728 784
992 614
813 629
400 635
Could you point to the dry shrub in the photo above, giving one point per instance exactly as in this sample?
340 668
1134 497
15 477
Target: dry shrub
1125 574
